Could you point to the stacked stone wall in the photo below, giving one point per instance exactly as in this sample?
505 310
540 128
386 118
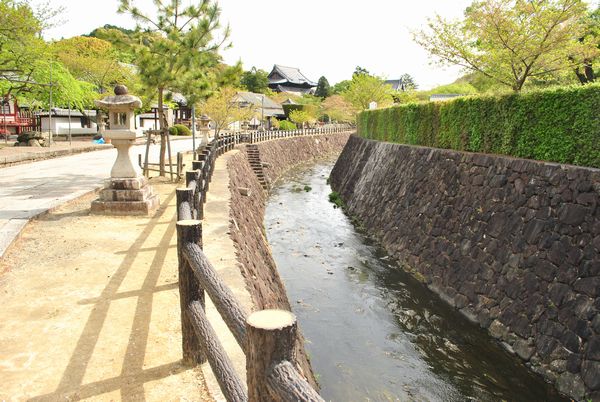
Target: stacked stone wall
513 244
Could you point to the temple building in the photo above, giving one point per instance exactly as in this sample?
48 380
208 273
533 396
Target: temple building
291 80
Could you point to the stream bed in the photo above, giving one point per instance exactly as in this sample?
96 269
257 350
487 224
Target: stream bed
374 333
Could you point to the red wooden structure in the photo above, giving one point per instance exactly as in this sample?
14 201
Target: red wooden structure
14 120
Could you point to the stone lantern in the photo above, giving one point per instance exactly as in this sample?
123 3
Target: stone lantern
127 191
204 128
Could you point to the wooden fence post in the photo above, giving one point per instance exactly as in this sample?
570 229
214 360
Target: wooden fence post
271 339
185 203
194 177
189 231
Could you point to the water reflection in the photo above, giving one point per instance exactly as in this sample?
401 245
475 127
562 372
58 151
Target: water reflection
373 332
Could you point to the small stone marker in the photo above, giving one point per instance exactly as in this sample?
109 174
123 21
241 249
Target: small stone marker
372 105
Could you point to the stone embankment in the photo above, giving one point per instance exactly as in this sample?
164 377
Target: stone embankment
248 208
513 244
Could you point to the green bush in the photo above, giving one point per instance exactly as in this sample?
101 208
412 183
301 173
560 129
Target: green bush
179 129
286 125
182 129
558 125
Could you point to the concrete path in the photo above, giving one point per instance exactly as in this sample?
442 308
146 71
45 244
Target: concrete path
28 190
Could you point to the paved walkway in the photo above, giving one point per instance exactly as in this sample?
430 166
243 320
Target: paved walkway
28 190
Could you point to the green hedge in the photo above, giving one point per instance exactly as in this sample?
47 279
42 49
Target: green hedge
559 125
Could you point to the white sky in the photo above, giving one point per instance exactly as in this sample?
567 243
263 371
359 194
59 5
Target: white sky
321 37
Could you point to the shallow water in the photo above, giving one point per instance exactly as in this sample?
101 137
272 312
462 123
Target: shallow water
373 332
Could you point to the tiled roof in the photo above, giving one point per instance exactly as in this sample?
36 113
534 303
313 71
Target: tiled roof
291 75
270 107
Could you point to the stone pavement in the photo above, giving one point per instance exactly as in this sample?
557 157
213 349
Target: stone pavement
28 190
10 155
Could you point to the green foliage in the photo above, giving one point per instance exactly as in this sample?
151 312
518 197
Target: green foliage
301 117
179 129
323 89
511 42
365 89
255 81
336 200
340 87
287 125
559 125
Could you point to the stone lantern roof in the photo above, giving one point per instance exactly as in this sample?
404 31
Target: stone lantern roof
121 100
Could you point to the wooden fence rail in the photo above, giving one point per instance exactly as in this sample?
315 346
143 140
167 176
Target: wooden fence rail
267 337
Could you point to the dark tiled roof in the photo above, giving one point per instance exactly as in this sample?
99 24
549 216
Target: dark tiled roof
290 75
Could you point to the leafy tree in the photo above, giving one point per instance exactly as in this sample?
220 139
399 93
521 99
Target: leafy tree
365 89
223 109
508 41
338 109
589 49
175 50
101 32
93 60
301 117
256 81
323 88
21 45
340 87
407 83
360 71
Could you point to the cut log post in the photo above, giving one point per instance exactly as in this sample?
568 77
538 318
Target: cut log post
271 338
189 231
222 297
286 383
185 203
192 179
232 387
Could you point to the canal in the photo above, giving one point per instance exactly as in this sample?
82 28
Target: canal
373 333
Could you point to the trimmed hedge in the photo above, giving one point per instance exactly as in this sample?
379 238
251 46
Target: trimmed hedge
559 125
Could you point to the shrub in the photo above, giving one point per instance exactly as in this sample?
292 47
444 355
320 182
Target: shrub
558 125
286 125
182 130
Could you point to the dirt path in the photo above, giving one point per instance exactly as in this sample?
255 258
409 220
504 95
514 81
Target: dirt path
90 309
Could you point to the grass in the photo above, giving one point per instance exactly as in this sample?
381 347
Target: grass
336 200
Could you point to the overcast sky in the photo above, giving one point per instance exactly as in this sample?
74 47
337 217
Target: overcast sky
321 37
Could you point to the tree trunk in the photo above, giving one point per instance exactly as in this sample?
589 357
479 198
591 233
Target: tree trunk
163 126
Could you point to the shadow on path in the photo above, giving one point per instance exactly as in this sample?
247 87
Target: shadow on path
133 376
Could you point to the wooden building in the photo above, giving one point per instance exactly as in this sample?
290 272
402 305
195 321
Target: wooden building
290 80
13 119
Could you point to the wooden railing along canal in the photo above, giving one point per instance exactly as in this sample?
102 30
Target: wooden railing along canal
267 337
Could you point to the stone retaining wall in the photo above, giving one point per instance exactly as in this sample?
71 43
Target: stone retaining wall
247 215
513 244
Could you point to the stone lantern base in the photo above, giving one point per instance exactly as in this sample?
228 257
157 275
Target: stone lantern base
128 196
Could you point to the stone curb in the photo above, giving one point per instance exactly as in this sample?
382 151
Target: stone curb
34 156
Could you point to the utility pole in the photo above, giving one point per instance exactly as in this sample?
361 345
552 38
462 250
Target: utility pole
50 108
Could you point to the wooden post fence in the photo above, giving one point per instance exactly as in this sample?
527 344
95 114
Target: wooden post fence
267 337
